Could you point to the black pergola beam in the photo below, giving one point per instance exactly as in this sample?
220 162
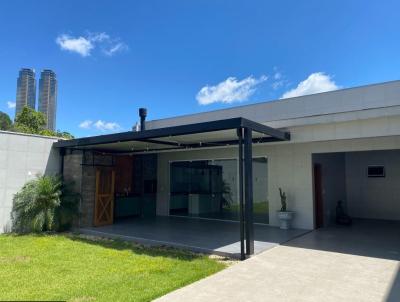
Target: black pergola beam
260 128
241 200
148 135
248 183
204 127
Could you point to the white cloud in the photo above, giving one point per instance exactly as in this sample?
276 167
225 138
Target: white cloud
11 105
84 45
100 125
86 124
99 37
80 45
113 49
106 126
315 83
229 91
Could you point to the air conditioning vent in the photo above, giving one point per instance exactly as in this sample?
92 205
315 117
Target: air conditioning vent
376 171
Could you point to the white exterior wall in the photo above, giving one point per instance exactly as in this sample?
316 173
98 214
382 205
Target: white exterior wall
376 197
22 156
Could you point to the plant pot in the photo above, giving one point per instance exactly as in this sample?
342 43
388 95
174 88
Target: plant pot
285 219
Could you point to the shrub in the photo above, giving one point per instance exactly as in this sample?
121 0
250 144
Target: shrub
43 204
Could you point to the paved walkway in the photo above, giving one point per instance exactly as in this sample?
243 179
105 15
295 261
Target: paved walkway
360 263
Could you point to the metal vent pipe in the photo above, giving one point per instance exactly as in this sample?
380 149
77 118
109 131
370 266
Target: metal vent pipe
142 114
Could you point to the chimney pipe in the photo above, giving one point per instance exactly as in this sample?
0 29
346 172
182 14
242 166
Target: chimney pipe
142 114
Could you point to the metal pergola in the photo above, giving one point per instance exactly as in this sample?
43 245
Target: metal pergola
226 132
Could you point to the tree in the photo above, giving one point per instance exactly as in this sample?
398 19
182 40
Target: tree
33 122
58 133
30 121
5 121
65 134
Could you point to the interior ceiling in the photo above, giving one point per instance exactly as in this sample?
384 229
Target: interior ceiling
213 138
207 137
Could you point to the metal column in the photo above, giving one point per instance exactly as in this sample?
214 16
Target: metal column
248 163
241 202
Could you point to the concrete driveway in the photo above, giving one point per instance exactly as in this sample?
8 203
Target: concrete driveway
359 263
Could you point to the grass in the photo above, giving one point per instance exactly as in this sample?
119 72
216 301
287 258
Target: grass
74 268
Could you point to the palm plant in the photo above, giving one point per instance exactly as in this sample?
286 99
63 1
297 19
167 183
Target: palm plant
39 206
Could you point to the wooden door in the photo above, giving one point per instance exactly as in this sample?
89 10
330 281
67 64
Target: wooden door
123 174
104 202
319 210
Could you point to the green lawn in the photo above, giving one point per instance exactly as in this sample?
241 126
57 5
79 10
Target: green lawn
72 268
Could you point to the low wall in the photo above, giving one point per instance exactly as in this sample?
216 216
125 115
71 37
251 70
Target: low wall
22 157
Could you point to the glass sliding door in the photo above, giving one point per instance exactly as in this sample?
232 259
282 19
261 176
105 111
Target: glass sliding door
260 190
226 186
209 189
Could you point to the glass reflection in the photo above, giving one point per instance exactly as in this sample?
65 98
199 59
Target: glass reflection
209 189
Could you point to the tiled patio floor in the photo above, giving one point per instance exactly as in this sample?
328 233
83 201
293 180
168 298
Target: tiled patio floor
201 235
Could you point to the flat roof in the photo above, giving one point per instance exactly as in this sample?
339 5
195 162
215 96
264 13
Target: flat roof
197 135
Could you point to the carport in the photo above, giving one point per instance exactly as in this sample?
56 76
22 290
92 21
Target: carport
367 183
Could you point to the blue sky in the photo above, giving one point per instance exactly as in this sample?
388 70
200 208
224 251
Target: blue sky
179 57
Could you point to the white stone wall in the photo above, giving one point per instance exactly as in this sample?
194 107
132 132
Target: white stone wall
22 157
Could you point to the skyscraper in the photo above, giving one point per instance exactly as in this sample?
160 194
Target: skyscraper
48 97
26 90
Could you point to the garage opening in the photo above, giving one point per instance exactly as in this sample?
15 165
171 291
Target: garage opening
366 183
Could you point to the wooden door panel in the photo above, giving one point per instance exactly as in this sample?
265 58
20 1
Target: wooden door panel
104 200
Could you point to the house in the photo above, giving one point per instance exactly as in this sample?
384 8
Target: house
321 148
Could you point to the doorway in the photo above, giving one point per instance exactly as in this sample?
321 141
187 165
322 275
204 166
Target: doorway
319 208
361 184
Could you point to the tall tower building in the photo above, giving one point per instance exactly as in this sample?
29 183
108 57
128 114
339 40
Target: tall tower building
48 97
26 90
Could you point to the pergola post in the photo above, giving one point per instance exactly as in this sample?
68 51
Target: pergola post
241 201
248 163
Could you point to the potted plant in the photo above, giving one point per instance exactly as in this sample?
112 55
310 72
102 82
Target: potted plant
284 215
